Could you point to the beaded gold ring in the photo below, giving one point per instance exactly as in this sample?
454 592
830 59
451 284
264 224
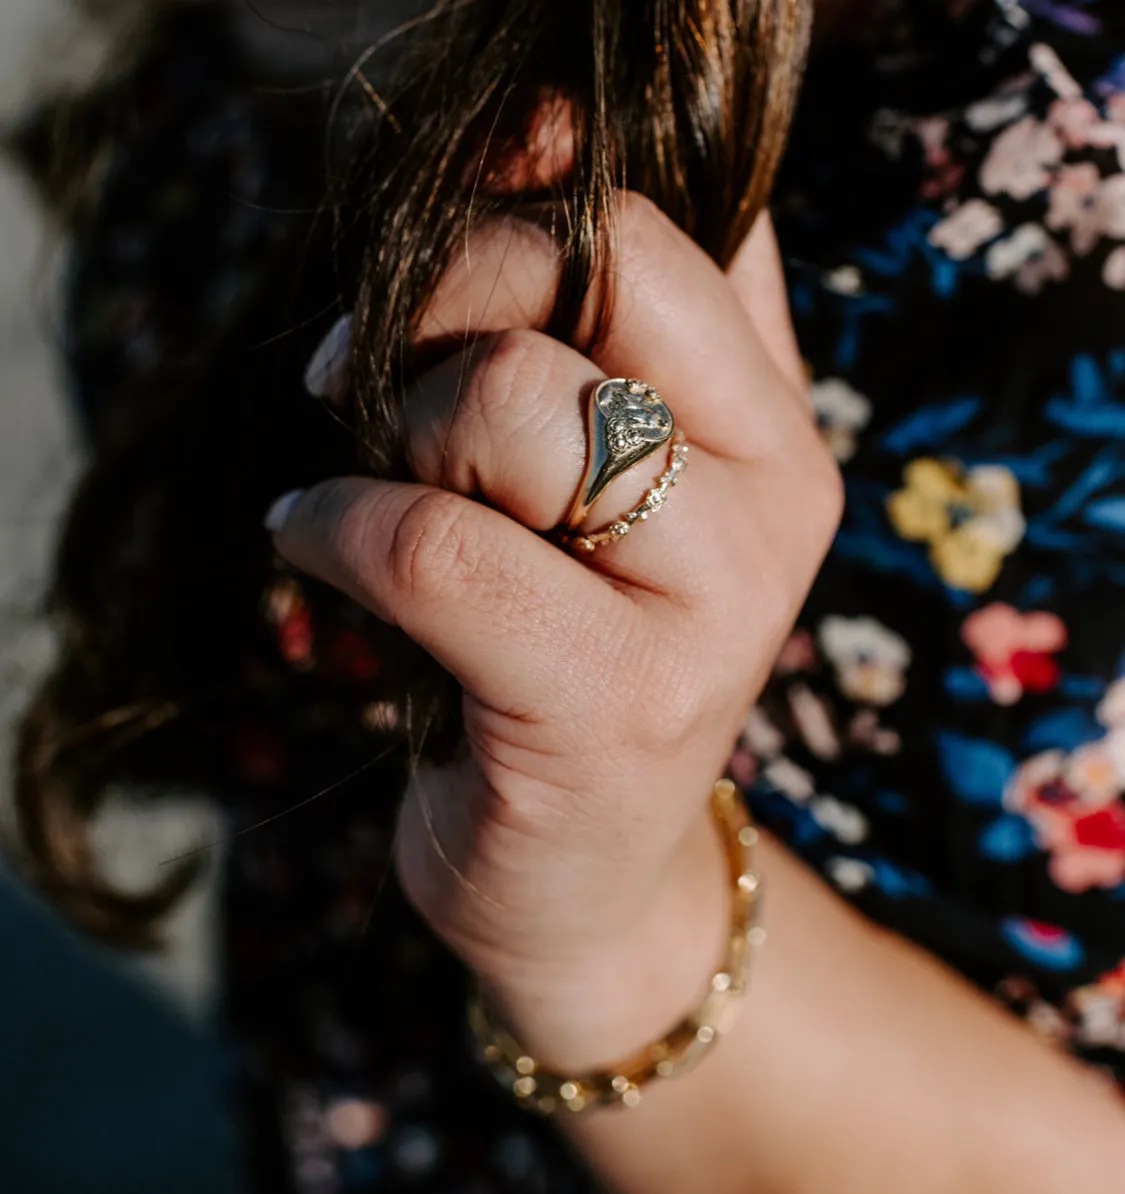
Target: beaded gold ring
627 421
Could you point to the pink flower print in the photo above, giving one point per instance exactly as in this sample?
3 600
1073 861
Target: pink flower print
1014 650
1073 803
965 229
1089 207
866 733
1079 123
1022 159
743 768
1072 201
798 654
1029 256
1115 107
945 177
760 736
944 172
1097 857
1111 708
814 722
1113 271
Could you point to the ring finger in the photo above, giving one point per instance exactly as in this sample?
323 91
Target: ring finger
506 422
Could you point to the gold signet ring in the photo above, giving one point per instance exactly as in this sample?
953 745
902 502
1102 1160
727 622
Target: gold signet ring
627 422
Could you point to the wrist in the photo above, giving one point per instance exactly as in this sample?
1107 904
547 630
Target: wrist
591 1012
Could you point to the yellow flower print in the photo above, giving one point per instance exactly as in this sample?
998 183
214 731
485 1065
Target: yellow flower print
971 520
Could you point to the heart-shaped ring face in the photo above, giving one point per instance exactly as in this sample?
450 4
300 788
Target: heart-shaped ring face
628 421
635 416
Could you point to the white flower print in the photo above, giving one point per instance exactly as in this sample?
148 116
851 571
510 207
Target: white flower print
1087 206
761 736
813 722
1000 522
843 821
789 779
844 280
1029 256
842 412
887 132
1046 1022
1050 66
850 874
869 659
1021 160
1099 1017
962 232
995 111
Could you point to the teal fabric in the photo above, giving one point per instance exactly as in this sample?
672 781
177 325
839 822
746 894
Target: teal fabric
104 1089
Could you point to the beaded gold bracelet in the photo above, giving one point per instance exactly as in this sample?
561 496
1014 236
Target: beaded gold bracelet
547 1092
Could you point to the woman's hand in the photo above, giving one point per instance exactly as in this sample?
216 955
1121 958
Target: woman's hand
568 858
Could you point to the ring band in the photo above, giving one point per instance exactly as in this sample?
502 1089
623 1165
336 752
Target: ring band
649 504
627 422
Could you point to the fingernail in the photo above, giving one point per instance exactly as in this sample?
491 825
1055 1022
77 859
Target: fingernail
327 372
278 514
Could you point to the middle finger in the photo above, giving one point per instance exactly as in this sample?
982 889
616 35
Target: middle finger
675 321
506 422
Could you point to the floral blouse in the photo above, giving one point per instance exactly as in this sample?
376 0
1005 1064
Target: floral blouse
944 735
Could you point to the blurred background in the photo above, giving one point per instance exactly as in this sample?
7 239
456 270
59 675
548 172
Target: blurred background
109 1070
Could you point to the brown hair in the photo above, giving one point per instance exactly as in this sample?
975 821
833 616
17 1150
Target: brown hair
162 559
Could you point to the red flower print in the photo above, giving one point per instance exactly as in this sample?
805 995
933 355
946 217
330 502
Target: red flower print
288 612
1103 830
349 654
1014 650
1073 804
798 654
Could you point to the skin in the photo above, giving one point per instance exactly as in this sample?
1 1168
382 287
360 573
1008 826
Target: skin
569 859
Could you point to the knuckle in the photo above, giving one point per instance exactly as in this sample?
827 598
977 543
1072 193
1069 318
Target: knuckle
429 554
641 218
765 595
513 369
674 685
823 485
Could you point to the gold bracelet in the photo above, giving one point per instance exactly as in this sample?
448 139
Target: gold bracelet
547 1092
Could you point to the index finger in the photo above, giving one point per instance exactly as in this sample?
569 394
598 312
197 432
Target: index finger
675 321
